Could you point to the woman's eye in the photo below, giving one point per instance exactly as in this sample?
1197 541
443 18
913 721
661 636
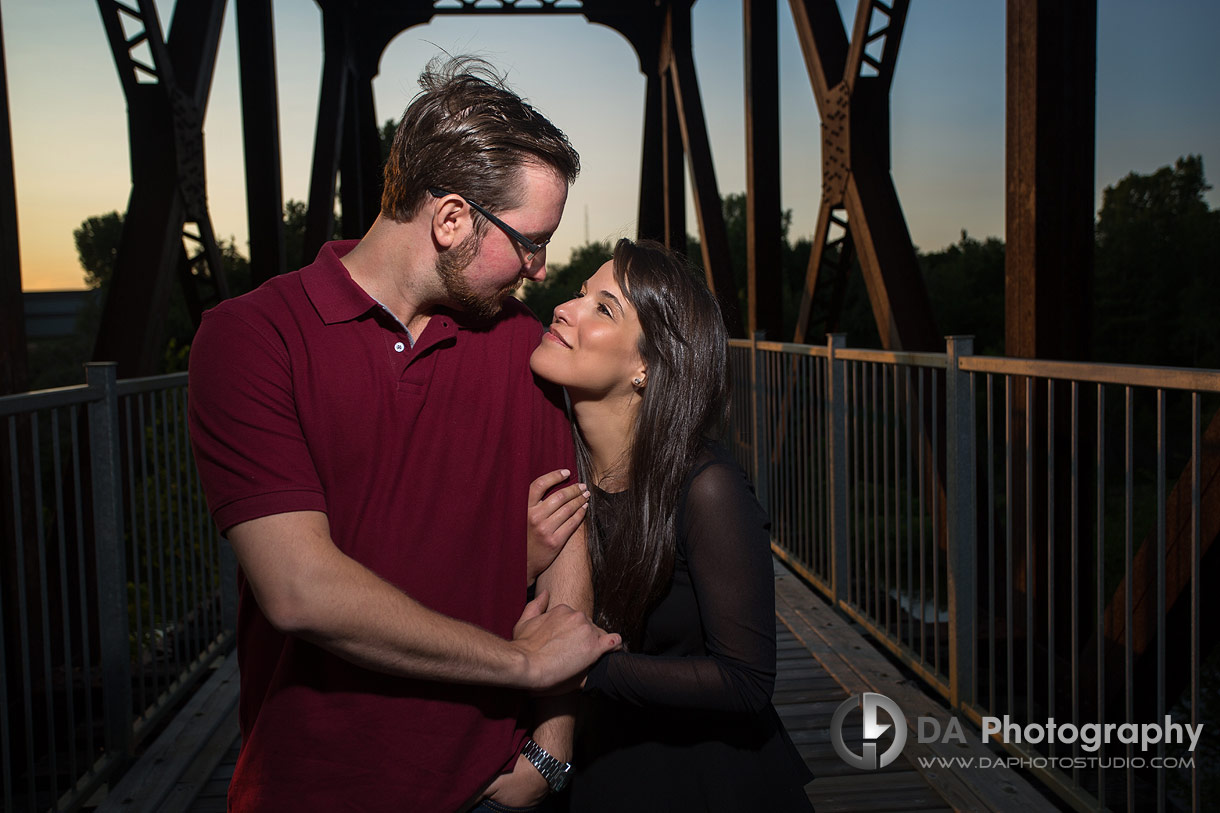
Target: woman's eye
603 309
577 294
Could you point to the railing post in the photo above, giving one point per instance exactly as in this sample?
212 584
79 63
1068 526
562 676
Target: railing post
762 481
836 371
108 550
962 514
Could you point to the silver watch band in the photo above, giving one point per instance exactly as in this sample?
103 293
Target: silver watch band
555 773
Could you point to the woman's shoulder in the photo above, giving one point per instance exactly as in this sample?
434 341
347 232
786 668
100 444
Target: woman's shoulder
714 475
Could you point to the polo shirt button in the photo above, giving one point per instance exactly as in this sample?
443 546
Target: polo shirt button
399 347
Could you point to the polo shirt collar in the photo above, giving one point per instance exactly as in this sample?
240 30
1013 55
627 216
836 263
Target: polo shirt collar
337 298
330 287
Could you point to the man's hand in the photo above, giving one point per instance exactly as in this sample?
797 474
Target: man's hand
559 644
551 520
524 787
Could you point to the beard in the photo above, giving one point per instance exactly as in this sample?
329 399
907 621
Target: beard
449 267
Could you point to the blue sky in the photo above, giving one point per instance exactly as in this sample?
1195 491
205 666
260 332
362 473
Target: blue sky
1157 99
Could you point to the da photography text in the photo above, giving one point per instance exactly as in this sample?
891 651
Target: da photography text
881 714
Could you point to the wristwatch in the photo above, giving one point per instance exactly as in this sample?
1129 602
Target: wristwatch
555 773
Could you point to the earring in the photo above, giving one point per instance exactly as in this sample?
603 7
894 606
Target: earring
638 381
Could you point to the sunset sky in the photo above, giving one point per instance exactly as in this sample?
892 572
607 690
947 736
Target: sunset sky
1157 99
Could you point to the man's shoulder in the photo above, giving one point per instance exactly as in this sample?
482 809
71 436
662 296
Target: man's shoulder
277 296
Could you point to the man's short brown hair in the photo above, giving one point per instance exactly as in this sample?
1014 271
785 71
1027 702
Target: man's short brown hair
467 132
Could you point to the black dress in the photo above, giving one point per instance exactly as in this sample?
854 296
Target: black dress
686 723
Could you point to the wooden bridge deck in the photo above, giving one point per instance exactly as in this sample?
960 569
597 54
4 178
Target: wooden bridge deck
822 661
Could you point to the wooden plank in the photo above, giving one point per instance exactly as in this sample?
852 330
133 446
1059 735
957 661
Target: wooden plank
858 667
150 782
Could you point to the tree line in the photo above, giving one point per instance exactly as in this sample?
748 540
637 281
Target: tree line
1154 281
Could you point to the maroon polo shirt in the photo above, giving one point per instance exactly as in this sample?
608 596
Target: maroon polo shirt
307 395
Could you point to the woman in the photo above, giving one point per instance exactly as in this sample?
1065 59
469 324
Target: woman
681 719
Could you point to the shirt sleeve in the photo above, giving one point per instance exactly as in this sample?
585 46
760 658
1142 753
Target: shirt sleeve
249 446
729 556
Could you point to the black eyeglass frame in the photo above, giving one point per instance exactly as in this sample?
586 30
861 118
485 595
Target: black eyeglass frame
532 249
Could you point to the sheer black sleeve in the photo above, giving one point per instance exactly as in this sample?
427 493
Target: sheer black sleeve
728 551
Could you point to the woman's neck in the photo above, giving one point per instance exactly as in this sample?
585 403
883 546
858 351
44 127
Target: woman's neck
607 427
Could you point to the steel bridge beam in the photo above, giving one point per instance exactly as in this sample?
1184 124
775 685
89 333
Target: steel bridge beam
13 357
851 83
166 99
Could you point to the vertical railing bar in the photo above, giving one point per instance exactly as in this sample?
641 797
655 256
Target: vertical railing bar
820 430
804 503
44 606
894 537
923 567
870 485
6 748
1100 590
937 513
165 509
64 605
1010 587
158 456
1160 588
189 585
910 487
83 604
837 469
1196 564
1129 575
857 488
809 495
129 465
813 481
173 510
859 485
1050 553
147 645
27 700
198 543
1074 644
974 461
884 571
1030 586
991 584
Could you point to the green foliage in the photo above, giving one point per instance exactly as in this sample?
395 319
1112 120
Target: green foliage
564 280
966 285
97 245
1158 248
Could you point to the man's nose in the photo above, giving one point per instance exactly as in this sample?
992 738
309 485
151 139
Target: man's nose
536 270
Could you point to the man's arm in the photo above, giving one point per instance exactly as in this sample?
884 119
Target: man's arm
307 587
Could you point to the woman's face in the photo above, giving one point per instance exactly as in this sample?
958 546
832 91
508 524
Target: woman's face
592 346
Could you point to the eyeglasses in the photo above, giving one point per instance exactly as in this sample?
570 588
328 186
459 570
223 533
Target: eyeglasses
532 249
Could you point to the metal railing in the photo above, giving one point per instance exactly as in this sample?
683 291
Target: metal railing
117 593
1028 537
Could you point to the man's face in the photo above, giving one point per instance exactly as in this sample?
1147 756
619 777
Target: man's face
481 271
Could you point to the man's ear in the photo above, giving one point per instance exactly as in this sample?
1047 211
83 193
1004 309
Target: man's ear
450 220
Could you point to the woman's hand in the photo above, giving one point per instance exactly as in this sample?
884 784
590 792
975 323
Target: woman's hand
551 520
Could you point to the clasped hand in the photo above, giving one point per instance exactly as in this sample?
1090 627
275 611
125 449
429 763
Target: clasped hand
552 519
559 644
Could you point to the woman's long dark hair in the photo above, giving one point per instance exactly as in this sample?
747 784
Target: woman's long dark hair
685 346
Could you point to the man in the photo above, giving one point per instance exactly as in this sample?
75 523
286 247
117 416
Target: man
366 430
